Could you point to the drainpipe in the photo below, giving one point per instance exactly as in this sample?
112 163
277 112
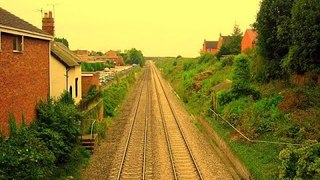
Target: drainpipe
67 77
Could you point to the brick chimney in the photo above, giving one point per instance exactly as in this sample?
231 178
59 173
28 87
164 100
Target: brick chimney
48 23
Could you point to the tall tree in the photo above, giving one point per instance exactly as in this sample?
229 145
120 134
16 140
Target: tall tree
273 26
305 51
235 40
233 45
135 57
62 40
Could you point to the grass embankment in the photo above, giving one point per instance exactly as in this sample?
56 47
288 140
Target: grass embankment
280 112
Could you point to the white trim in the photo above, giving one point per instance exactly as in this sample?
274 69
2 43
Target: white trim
22 32
20 47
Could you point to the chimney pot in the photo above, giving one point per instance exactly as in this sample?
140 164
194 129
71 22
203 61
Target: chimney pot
48 23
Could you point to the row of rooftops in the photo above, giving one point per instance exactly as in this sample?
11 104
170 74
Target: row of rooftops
250 34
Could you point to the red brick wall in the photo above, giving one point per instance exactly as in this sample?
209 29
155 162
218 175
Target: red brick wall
88 81
24 78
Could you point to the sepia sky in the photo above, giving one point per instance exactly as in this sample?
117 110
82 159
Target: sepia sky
157 27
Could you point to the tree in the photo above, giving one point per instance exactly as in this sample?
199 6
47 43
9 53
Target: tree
274 34
62 40
135 57
273 26
304 53
233 45
235 40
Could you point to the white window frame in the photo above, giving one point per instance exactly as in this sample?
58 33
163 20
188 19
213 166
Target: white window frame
22 43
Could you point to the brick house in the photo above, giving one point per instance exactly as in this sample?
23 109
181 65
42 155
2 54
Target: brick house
114 56
65 69
24 68
249 40
210 47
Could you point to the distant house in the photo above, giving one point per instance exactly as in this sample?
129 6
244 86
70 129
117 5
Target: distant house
210 47
84 55
65 69
222 40
114 56
65 72
249 40
24 68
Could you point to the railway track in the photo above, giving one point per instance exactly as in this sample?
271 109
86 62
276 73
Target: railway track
183 163
134 159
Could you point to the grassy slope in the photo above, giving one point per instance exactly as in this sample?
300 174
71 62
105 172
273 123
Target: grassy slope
260 159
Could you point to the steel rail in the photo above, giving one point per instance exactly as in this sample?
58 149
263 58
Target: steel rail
166 132
130 131
179 127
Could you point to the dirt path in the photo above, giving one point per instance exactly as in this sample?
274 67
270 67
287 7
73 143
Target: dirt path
104 163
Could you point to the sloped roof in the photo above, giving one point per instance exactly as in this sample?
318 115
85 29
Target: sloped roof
211 44
64 54
10 20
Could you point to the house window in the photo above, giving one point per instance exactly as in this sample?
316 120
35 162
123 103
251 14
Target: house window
0 41
76 87
70 90
18 43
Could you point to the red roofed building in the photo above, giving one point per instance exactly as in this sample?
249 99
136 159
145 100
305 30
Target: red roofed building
114 56
249 40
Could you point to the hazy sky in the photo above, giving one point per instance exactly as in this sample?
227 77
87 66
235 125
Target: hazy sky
158 28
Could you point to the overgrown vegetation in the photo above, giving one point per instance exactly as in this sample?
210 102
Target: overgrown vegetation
289 36
115 94
275 111
49 147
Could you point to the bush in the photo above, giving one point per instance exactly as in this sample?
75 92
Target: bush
227 60
58 125
300 162
206 58
234 110
92 67
24 156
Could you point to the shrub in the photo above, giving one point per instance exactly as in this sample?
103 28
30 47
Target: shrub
91 67
300 162
227 60
206 58
234 110
24 156
58 124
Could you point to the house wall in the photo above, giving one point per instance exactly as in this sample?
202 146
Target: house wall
74 73
24 79
220 42
246 43
57 77
88 80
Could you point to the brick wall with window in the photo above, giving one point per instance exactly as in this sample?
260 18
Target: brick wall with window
24 77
